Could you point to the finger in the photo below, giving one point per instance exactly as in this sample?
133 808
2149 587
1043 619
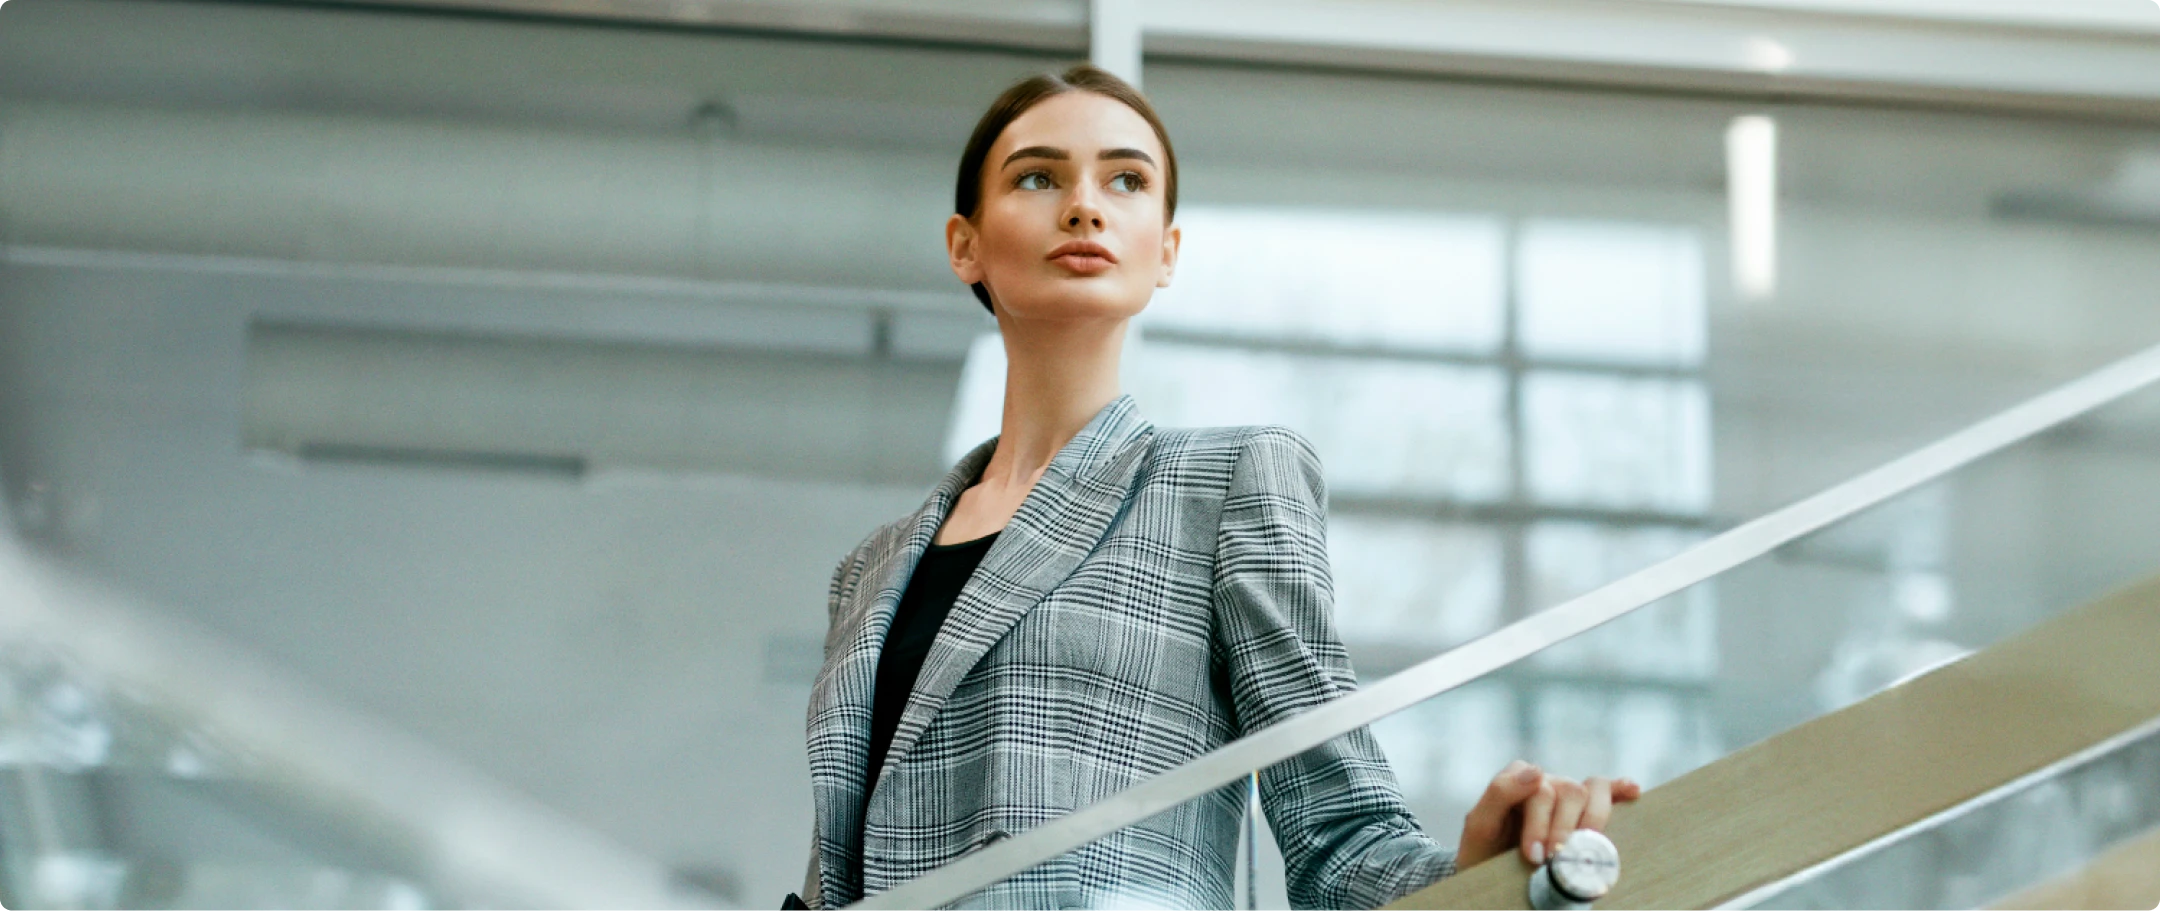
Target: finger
1598 811
1569 799
1489 820
1625 790
1515 782
1537 822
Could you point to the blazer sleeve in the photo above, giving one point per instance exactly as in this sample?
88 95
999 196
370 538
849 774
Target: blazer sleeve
1348 838
843 578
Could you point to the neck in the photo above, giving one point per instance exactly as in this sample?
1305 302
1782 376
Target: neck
1058 375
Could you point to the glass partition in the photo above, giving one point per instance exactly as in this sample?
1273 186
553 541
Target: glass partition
149 762
108 802
1820 623
519 383
1990 852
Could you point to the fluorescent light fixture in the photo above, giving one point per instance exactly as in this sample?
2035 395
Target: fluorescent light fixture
1768 56
1751 185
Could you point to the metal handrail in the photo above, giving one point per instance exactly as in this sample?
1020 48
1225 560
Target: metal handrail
1521 639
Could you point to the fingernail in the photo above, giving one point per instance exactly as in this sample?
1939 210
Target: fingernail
1527 775
1537 853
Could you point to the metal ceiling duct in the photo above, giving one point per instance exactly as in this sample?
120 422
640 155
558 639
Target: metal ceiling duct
406 191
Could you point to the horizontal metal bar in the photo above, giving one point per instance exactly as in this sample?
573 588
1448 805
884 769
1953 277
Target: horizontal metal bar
2081 66
1522 638
1515 512
1495 357
768 295
1056 26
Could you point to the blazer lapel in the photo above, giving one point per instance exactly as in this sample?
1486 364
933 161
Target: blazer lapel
841 698
1058 524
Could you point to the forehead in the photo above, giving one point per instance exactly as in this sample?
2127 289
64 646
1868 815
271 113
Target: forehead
1079 122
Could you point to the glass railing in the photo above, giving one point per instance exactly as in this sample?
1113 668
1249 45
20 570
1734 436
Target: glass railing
1667 670
1989 850
146 763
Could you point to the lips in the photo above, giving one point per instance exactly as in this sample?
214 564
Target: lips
1085 257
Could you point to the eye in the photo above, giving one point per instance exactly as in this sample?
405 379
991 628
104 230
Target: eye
1033 180
1129 181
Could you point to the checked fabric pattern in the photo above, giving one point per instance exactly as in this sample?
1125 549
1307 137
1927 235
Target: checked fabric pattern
1158 594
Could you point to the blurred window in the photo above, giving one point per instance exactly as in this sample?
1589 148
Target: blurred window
1611 292
1382 426
1390 571
1399 280
1616 441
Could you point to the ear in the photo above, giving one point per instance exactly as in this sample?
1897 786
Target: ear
960 246
1170 238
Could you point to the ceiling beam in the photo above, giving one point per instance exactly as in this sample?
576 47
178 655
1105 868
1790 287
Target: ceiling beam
2096 15
2086 58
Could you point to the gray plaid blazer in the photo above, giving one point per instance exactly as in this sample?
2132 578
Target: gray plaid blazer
1159 593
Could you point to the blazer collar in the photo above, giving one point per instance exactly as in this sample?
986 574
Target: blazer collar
1058 524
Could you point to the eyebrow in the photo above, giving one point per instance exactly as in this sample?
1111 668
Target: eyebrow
1057 154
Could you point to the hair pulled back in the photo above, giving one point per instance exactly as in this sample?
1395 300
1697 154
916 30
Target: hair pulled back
1029 92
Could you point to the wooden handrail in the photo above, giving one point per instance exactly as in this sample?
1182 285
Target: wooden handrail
1831 786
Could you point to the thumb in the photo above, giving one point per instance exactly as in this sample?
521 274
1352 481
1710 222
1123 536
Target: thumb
1491 827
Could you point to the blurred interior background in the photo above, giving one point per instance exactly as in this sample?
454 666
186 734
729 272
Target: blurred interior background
509 376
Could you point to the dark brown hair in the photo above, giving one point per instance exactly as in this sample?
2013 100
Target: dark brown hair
1029 92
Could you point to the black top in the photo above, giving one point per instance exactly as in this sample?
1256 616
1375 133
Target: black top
928 598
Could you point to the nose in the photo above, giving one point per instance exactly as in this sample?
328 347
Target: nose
1082 211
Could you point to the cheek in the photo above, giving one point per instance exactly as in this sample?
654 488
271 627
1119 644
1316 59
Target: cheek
1146 245
1007 236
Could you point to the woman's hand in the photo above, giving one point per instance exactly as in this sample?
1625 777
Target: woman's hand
1526 808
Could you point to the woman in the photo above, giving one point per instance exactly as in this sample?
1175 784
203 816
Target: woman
1087 600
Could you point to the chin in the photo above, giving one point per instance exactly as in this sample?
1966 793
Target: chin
1082 300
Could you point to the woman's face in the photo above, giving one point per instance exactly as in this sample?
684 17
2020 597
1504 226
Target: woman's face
1071 224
